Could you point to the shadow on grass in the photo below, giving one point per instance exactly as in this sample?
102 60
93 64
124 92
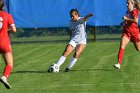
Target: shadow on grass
88 70
76 70
20 72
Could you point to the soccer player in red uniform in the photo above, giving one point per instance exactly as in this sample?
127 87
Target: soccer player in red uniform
130 31
6 20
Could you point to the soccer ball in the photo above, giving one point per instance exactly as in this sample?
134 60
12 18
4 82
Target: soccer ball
53 68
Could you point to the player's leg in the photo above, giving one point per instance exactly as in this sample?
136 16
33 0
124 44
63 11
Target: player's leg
125 40
8 58
79 49
136 40
69 48
137 45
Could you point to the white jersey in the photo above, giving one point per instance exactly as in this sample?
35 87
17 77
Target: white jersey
78 29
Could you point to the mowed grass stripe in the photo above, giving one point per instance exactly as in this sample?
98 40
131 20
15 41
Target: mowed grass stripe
36 54
93 72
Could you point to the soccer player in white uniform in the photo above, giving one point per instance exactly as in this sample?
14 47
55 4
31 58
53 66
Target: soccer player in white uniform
78 37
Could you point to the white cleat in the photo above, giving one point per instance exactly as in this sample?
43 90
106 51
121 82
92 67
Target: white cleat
117 66
3 79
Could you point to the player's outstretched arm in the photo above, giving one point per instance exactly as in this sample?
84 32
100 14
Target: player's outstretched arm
87 17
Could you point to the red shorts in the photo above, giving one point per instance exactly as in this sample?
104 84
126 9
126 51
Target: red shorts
4 48
134 37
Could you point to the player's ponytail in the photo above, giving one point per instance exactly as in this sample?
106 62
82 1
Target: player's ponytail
133 2
2 7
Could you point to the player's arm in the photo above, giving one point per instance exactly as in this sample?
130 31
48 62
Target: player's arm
11 23
70 33
122 23
87 17
12 28
134 20
70 29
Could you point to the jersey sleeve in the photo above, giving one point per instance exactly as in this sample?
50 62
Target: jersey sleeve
81 20
135 13
10 20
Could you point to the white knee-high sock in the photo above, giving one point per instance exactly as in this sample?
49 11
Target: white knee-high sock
61 61
72 62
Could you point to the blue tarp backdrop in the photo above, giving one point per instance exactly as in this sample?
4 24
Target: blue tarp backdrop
55 13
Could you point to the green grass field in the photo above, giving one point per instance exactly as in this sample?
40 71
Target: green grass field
93 72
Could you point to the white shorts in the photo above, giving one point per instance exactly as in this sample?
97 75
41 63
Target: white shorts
74 44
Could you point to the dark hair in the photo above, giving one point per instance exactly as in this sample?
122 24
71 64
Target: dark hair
74 10
1 6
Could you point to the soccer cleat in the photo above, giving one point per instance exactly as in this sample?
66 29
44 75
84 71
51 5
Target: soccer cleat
67 70
3 79
117 66
50 70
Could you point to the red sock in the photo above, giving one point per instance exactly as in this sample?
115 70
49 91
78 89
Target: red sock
7 71
120 55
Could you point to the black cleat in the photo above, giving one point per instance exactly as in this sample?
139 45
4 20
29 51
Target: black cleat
50 70
67 70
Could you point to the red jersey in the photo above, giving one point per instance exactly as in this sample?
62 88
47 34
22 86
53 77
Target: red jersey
131 26
131 30
5 20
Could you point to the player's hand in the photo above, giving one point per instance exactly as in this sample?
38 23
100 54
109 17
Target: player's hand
122 23
9 29
90 15
124 18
